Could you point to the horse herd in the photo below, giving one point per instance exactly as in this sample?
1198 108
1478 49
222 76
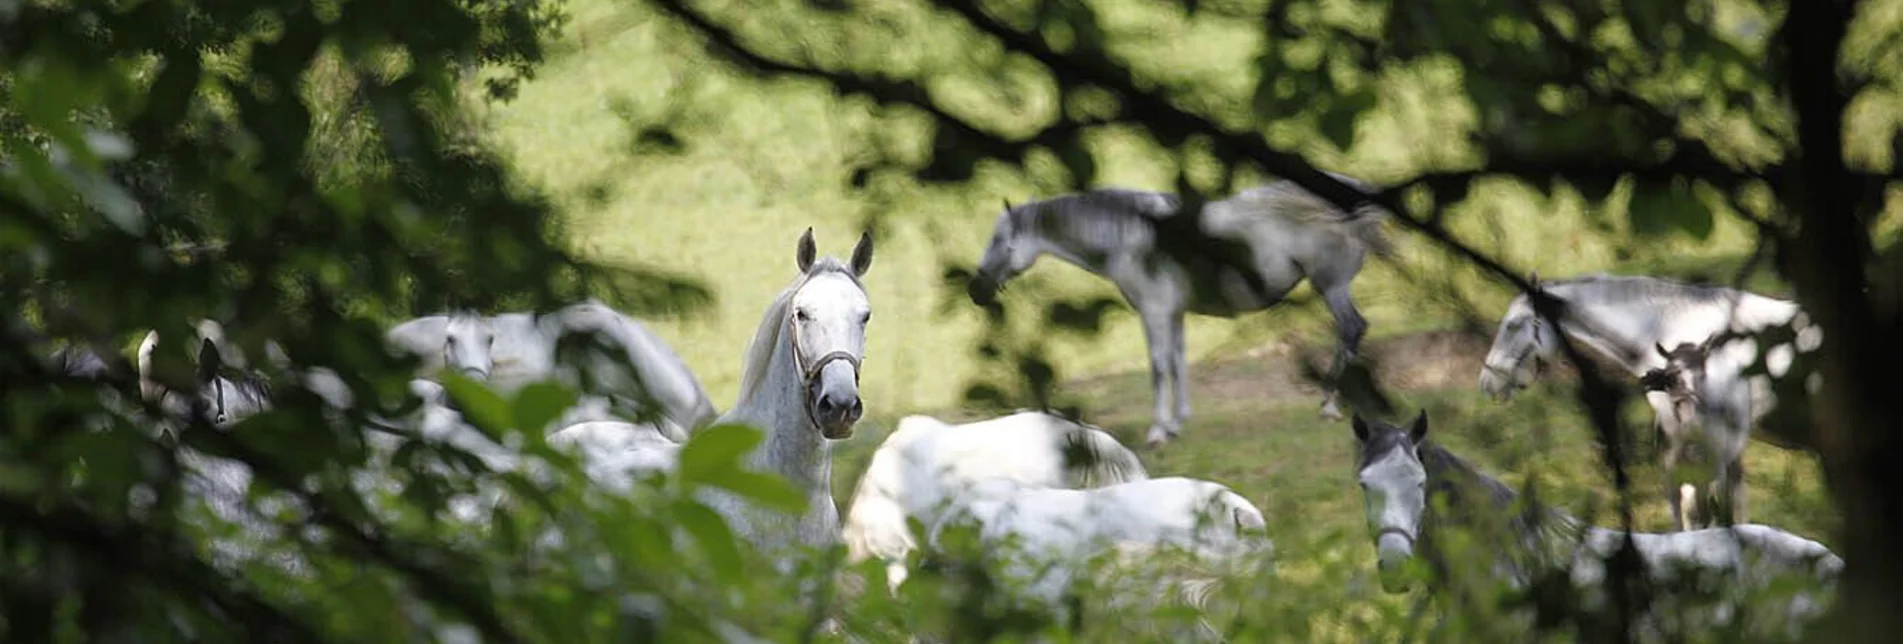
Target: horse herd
1064 492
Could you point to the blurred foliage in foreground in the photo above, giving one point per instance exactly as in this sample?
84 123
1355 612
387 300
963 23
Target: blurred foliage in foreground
303 173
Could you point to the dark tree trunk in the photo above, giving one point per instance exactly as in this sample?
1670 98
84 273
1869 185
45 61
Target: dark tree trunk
1827 264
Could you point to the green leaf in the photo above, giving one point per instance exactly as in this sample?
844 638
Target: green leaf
1342 123
1657 210
769 490
650 541
480 406
541 403
715 538
715 452
1077 159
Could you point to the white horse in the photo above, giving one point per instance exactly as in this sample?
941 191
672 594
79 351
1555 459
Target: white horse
799 384
924 460
1421 499
1713 382
1041 539
1623 319
1237 255
513 349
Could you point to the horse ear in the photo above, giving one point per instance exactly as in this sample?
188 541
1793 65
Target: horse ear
806 250
1662 352
862 254
1417 430
208 361
1007 205
1361 428
1533 277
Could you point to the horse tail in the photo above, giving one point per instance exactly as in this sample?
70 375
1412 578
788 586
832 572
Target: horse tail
1103 461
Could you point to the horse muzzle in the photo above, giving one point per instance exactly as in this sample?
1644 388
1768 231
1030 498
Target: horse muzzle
836 415
1498 384
833 399
1393 550
982 290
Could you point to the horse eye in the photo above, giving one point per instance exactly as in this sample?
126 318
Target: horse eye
802 315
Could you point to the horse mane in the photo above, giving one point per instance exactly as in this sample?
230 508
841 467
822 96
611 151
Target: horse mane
767 336
1094 457
1437 459
1456 473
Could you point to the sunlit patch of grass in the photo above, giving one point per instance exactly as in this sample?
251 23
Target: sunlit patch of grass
757 162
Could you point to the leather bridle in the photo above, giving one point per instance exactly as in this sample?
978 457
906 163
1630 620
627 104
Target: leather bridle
809 373
1509 372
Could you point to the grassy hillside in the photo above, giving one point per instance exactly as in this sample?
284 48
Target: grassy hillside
746 164
760 161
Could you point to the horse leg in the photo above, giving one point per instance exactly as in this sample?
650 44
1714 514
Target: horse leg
1349 328
1157 330
1180 365
1674 448
1732 478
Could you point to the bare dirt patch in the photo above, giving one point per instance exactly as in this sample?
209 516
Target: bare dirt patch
1274 371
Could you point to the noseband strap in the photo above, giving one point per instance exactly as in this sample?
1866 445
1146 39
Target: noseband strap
1391 530
808 373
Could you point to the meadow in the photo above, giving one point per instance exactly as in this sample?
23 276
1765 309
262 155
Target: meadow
747 164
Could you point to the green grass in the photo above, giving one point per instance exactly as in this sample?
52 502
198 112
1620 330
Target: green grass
1299 469
764 160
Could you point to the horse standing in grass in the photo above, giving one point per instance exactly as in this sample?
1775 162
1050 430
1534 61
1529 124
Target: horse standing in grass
1475 533
924 461
1233 256
1715 382
1622 319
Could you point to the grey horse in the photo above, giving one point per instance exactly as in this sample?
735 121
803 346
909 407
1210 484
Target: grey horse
1474 534
1234 256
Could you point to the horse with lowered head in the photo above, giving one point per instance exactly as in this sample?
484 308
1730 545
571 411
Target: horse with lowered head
1474 534
1232 256
1623 319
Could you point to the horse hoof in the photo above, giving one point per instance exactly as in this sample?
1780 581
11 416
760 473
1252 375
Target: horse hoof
1331 412
1159 437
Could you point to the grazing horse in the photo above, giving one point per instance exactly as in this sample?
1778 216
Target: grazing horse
1421 500
924 460
512 349
1234 256
1714 382
1621 319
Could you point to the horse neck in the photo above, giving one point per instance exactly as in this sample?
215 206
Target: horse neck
1620 332
793 446
1030 230
1471 505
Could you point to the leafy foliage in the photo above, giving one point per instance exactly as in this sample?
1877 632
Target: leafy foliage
310 173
